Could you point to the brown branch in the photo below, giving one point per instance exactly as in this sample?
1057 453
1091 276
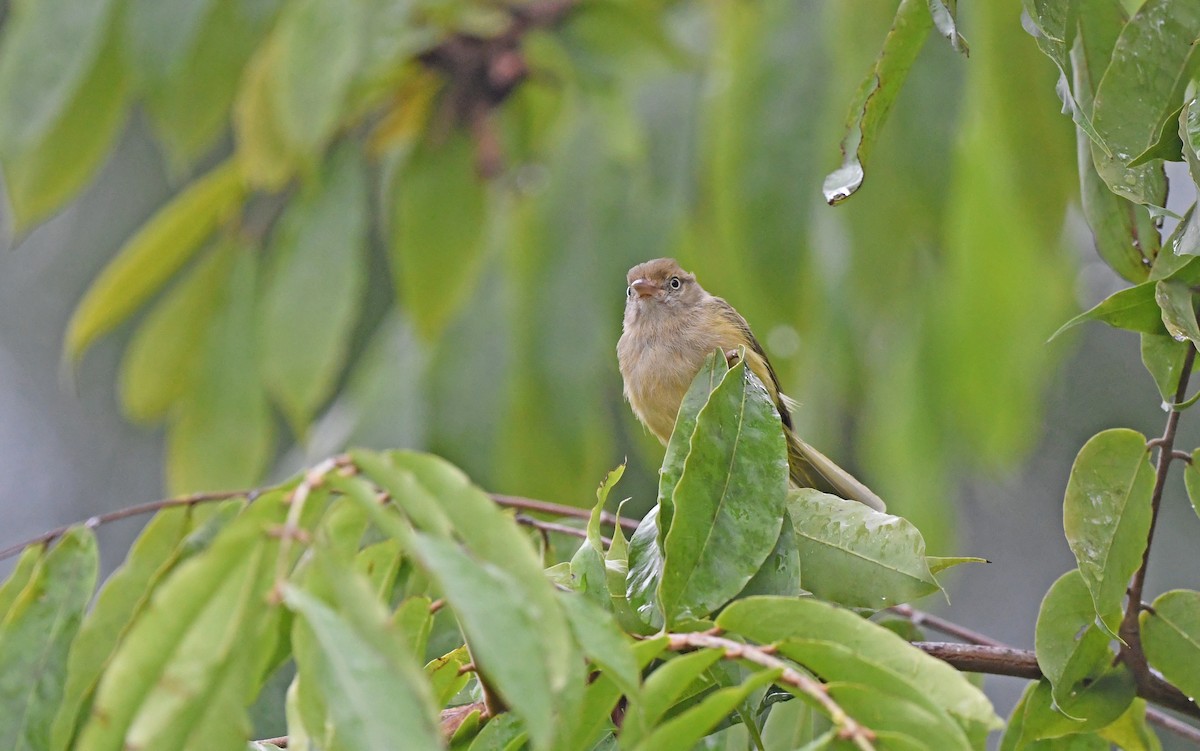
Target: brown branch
941 625
1130 632
848 728
561 529
545 507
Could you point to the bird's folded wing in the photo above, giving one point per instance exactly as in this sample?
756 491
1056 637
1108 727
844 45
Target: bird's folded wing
840 481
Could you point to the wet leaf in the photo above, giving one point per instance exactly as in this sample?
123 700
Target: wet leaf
1134 309
1072 651
944 13
1097 705
1106 516
1178 306
1163 356
645 571
875 97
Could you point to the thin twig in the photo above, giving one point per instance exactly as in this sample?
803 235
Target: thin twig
561 529
848 728
921 618
1130 632
545 507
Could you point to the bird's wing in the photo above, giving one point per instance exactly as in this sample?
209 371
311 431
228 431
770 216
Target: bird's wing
802 457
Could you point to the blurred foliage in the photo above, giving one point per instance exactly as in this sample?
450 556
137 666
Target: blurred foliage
439 199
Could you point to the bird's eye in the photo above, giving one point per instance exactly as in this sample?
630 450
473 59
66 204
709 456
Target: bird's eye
629 291
675 283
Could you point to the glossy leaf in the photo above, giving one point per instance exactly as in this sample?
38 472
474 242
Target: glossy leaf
1178 309
679 445
1133 309
166 638
35 634
779 574
769 620
1152 63
856 556
896 714
1171 638
437 253
1106 515
729 500
1189 134
161 360
313 290
645 571
1072 651
153 255
373 691
875 97
222 433
939 563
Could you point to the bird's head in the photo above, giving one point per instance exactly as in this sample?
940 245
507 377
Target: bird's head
660 286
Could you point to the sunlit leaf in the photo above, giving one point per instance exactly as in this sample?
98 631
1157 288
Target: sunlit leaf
1106 515
35 634
153 255
875 97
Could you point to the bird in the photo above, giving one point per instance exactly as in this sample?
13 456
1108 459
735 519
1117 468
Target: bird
671 324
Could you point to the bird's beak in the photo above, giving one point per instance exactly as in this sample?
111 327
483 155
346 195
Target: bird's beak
644 287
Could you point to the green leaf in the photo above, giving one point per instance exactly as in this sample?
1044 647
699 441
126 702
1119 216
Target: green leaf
1152 63
1072 651
944 13
602 641
374 691
1130 732
899 714
1098 705
48 52
221 435
875 97
1106 515
1191 480
1168 146
153 255
779 574
769 620
266 159
160 34
729 500
1163 357
50 170
1178 309
1133 309
856 556
662 689
938 563
679 445
446 675
645 571
16 582
153 554
1171 638
313 290
162 358
35 636
1053 24
1189 133
683 731
188 622
437 255
319 45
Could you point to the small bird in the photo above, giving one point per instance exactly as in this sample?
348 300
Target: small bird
671 325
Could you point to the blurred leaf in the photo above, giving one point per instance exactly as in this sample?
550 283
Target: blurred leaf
440 213
222 434
374 691
1053 24
380 563
898 714
446 675
1178 309
1072 651
35 636
1133 308
1129 732
769 620
1152 63
1106 516
312 294
123 596
875 97
265 157
679 445
319 44
161 360
683 731
22 571
187 625
41 176
188 93
1163 356
149 258
602 641
730 499
856 556
1171 638
662 689
939 563
944 13
160 34
503 733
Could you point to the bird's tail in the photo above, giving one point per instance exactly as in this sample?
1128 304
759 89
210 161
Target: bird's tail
810 468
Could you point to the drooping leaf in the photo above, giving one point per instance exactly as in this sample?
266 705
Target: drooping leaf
769 620
856 556
438 231
159 36
35 635
1152 63
161 360
1133 309
896 714
1171 638
1106 515
313 288
221 435
875 97
153 255
729 500
1072 651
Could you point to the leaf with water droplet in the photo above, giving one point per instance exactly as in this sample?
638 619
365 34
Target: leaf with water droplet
1106 516
1178 306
